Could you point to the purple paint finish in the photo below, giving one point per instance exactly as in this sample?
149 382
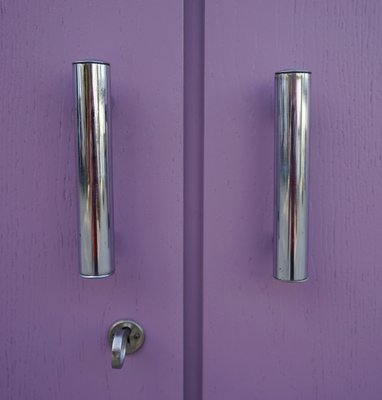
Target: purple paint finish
53 324
264 339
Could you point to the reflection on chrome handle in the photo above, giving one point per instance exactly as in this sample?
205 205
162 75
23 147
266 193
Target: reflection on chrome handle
94 176
292 92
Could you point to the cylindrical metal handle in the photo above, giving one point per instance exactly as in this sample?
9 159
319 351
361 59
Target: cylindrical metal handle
292 91
94 175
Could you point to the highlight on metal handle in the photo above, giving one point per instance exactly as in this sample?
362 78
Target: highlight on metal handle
94 175
292 95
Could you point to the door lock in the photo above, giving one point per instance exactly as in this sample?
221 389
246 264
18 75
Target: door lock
125 337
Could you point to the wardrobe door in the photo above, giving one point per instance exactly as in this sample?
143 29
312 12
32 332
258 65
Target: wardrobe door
53 323
265 339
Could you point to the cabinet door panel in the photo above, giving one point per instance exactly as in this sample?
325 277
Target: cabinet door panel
54 324
265 339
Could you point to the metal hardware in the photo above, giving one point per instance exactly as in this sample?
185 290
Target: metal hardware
94 175
292 95
125 337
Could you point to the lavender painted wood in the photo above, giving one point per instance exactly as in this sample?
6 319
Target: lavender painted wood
264 339
53 324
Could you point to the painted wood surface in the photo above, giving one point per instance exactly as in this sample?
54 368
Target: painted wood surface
264 339
53 324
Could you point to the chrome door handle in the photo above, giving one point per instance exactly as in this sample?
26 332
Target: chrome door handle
94 175
125 337
292 92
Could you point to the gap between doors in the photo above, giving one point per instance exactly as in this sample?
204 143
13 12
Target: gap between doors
193 153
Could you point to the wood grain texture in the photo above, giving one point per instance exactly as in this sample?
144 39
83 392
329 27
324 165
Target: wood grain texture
53 324
263 339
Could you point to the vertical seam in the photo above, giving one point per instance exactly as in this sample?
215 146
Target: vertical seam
193 159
